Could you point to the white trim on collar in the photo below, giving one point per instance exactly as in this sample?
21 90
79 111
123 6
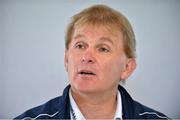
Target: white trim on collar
80 116
75 108
118 113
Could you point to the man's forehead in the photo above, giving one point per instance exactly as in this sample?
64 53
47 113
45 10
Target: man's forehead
100 39
106 28
104 32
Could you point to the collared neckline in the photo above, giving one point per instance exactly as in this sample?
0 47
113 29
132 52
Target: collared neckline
75 112
118 113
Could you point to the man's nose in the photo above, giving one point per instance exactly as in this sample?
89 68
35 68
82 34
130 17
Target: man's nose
88 57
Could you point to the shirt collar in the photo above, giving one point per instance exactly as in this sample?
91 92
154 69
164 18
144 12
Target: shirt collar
79 115
118 113
75 109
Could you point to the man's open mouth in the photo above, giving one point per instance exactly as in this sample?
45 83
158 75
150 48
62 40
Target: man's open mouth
84 72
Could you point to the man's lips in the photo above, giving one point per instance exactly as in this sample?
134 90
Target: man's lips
86 72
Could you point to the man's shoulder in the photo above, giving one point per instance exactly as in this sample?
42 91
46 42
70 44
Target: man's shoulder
46 110
135 110
53 109
143 111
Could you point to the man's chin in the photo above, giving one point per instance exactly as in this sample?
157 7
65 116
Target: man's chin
85 88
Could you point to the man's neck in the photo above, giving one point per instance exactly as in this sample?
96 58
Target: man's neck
97 106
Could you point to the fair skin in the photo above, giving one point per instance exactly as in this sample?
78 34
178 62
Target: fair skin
96 62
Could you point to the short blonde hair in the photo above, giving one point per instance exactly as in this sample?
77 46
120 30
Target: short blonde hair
104 15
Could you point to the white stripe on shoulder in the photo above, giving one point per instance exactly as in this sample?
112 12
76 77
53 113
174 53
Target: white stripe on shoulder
41 115
154 113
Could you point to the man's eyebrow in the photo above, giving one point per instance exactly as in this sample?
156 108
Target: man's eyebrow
106 39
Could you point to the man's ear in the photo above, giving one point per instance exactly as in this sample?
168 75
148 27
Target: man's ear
129 67
66 60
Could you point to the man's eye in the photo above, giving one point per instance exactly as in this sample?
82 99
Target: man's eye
80 46
103 49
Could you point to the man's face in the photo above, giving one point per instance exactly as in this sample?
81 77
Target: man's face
95 60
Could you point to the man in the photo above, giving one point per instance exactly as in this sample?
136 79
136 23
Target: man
100 52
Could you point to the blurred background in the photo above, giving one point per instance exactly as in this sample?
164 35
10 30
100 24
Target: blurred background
32 52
